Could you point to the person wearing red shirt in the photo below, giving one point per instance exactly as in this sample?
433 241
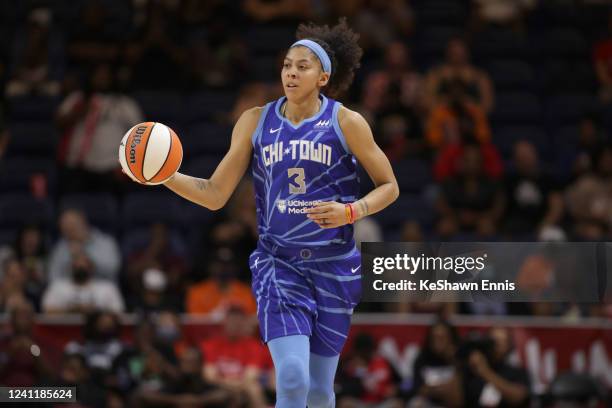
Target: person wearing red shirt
236 359
366 379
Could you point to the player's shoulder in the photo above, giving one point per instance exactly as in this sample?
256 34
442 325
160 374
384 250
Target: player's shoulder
252 114
350 119
249 119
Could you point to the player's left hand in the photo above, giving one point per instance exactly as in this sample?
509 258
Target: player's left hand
328 214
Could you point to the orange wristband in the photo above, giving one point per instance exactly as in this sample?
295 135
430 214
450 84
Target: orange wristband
347 211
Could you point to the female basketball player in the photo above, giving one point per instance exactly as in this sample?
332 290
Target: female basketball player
306 276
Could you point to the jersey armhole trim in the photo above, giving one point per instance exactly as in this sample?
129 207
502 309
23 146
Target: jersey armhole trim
260 122
337 128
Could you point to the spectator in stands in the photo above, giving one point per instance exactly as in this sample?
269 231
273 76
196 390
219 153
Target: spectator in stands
141 367
448 162
533 201
398 70
437 381
81 292
80 238
365 378
214 295
379 22
101 345
470 202
12 284
75 373
91 40
411 231
265 11
589 199
237 360
591 139
37 58
234 228
156 48
167 336
164 251
154 294
219 55
602 60
4 133
30 250
490 379
93 121
457 67
505 13
21 361
456 118
190 389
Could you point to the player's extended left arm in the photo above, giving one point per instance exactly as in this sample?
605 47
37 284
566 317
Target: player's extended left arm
361 143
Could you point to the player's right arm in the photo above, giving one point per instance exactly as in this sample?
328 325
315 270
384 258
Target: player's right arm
214 192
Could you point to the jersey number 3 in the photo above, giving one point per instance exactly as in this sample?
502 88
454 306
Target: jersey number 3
297 180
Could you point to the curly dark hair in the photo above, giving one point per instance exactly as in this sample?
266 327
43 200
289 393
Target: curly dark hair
341 44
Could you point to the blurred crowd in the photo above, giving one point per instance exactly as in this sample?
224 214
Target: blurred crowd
496 116
157 364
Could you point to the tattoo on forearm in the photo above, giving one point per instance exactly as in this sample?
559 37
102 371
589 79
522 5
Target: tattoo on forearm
364 207
201 184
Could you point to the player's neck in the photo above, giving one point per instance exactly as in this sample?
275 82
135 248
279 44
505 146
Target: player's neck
297 111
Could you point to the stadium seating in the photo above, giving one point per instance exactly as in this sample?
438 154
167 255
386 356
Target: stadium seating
140 210
206 138
17 210
33 138
16 174
101 209
517 108
510 75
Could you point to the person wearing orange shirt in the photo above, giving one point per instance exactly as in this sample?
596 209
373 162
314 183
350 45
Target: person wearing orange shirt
213 296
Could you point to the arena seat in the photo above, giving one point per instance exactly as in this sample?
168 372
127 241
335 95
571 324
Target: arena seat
33 108
16 174
101 209
207 105
32 138
412 175
137 239
566 109
516 108
506 137
496 43
140 210
447 12
408 207
202 166
160 106
269 40
509 74
17 210
566 43
206 138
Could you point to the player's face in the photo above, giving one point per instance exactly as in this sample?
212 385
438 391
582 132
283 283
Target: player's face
302 73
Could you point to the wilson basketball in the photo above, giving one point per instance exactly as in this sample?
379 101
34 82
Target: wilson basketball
150 153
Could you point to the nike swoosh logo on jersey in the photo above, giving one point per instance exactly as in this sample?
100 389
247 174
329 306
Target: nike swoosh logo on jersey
275 130
353 270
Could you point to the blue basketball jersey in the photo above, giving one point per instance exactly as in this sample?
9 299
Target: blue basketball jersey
295 167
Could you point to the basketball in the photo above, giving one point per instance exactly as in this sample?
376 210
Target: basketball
150 153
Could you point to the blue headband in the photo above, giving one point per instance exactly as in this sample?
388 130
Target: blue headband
319 52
